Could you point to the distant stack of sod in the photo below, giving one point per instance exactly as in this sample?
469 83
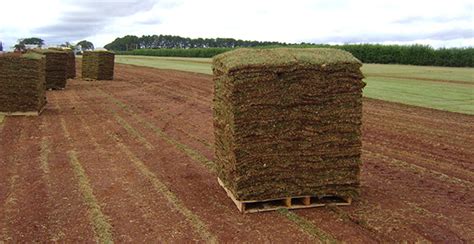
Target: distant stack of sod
56 67
22 84
288 122
71 62
98 65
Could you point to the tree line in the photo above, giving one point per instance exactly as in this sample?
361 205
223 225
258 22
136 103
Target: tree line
411 54
167 45
21 46
131 42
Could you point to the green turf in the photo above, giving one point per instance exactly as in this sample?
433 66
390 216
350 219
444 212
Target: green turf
450 97
198 65
244 58
423 72
444 88
2 117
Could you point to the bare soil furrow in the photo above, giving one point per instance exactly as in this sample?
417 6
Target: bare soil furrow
388 212
420 159
118 193
435 150
426 132
167 142
155 129
167 119
382 211
26 218
11 138
428 193
457 123
160 209
181 79
184 137
68 217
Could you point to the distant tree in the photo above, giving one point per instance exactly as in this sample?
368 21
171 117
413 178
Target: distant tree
146 41
131 42
20 47
32 41
127 43
86 45
68 45
1 47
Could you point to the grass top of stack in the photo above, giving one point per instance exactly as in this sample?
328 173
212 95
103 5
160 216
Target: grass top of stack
288 122
55 68
246 59
71 62
98 65
22 84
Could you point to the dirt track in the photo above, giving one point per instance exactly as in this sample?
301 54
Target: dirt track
131 160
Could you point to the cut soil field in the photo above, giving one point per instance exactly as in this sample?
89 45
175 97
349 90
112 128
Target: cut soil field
132 160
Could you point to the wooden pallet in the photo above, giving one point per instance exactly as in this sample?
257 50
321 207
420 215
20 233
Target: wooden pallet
29 113
298 202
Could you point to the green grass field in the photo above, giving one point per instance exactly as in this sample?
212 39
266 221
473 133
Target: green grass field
198 65
450 89
2 117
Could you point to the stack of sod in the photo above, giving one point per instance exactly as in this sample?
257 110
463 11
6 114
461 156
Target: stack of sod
288 122
71 62
22 83
98 65
71 65
56 67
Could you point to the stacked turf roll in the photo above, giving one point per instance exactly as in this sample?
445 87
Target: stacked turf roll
98 65
55 68
71 65
288 122
71 62
22 83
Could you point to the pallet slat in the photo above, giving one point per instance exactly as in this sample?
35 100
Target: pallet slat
297 202
307 201
31 113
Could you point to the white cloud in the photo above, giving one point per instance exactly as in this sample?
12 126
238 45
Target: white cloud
438 23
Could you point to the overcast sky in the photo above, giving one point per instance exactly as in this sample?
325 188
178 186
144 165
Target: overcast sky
438 23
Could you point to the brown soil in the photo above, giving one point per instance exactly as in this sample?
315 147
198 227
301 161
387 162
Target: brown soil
145 144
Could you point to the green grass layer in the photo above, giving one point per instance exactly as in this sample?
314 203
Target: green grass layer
281 57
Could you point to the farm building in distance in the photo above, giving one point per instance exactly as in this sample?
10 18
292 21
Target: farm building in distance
22 84
288 125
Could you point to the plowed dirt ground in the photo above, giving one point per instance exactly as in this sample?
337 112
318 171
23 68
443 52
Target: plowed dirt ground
131 160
